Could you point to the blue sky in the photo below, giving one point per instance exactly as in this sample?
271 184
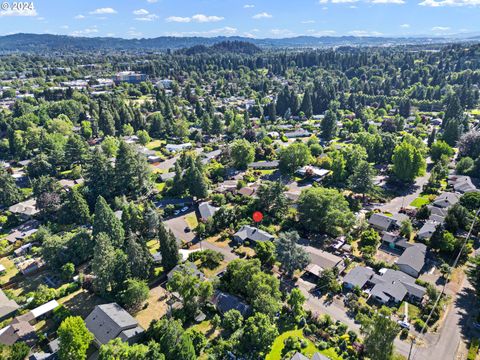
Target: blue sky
251 18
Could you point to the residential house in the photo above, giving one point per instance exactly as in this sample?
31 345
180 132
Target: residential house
461 184
321 260
427 230
21 328
312 172
188 265
316 356
178 147
389 287
264 165
253 234
446 200
412 260
25 208
206 210
394 242
225 302
297 134
7 306
109 321
23 231
382 222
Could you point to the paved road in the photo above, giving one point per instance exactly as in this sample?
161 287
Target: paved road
178 225
394 205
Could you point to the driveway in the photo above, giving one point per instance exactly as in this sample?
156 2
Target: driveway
178 225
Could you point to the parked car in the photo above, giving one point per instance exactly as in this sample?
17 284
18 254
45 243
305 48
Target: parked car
404 324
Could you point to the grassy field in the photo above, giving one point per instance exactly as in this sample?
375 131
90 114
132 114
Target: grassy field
413 311
420 201
160 186
155 145
278 345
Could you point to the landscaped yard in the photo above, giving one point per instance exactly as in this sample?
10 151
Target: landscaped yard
278 345
155 145
155 307
191 220
413 311
420 201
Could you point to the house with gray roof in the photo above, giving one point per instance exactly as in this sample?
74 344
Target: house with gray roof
257 165
250 233
206 210
389 287
394 242
412 260
427 230
382 222
109 321
446 200
7 306
358 277
225 302
461 183
393 286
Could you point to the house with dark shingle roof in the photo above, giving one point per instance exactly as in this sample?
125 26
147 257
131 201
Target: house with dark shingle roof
226 302
358 277
446 200
381 222
250 233
7 306
109 321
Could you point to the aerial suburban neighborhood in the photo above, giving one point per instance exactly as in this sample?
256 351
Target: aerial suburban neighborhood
212 198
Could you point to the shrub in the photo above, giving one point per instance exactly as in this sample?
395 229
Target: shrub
419 324
473 349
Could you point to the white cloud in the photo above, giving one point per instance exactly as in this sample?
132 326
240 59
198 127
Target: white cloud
132 32
195 18
149 17
440 28
24 12
344 1
85 32
40 18
178 19
439 3
262 15
64 27
227 31
102 11
152 1
361 33
405 26
322 1
308 22
248 6
79 17
140 12
205 18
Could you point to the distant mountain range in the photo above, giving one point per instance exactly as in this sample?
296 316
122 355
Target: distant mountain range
46 42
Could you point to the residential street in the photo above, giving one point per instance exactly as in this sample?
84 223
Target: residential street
394 205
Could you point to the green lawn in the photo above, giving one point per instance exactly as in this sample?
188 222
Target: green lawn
413 311
278 345
191 220
160 186
155 144
420 201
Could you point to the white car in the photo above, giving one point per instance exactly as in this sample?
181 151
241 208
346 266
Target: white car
404 324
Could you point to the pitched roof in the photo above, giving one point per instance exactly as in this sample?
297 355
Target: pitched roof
427 230
226 302
107 321
446 200
414 256
187 265
7 306
324 259
299 356
206 210
381 221
248 232
359 276
395 284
